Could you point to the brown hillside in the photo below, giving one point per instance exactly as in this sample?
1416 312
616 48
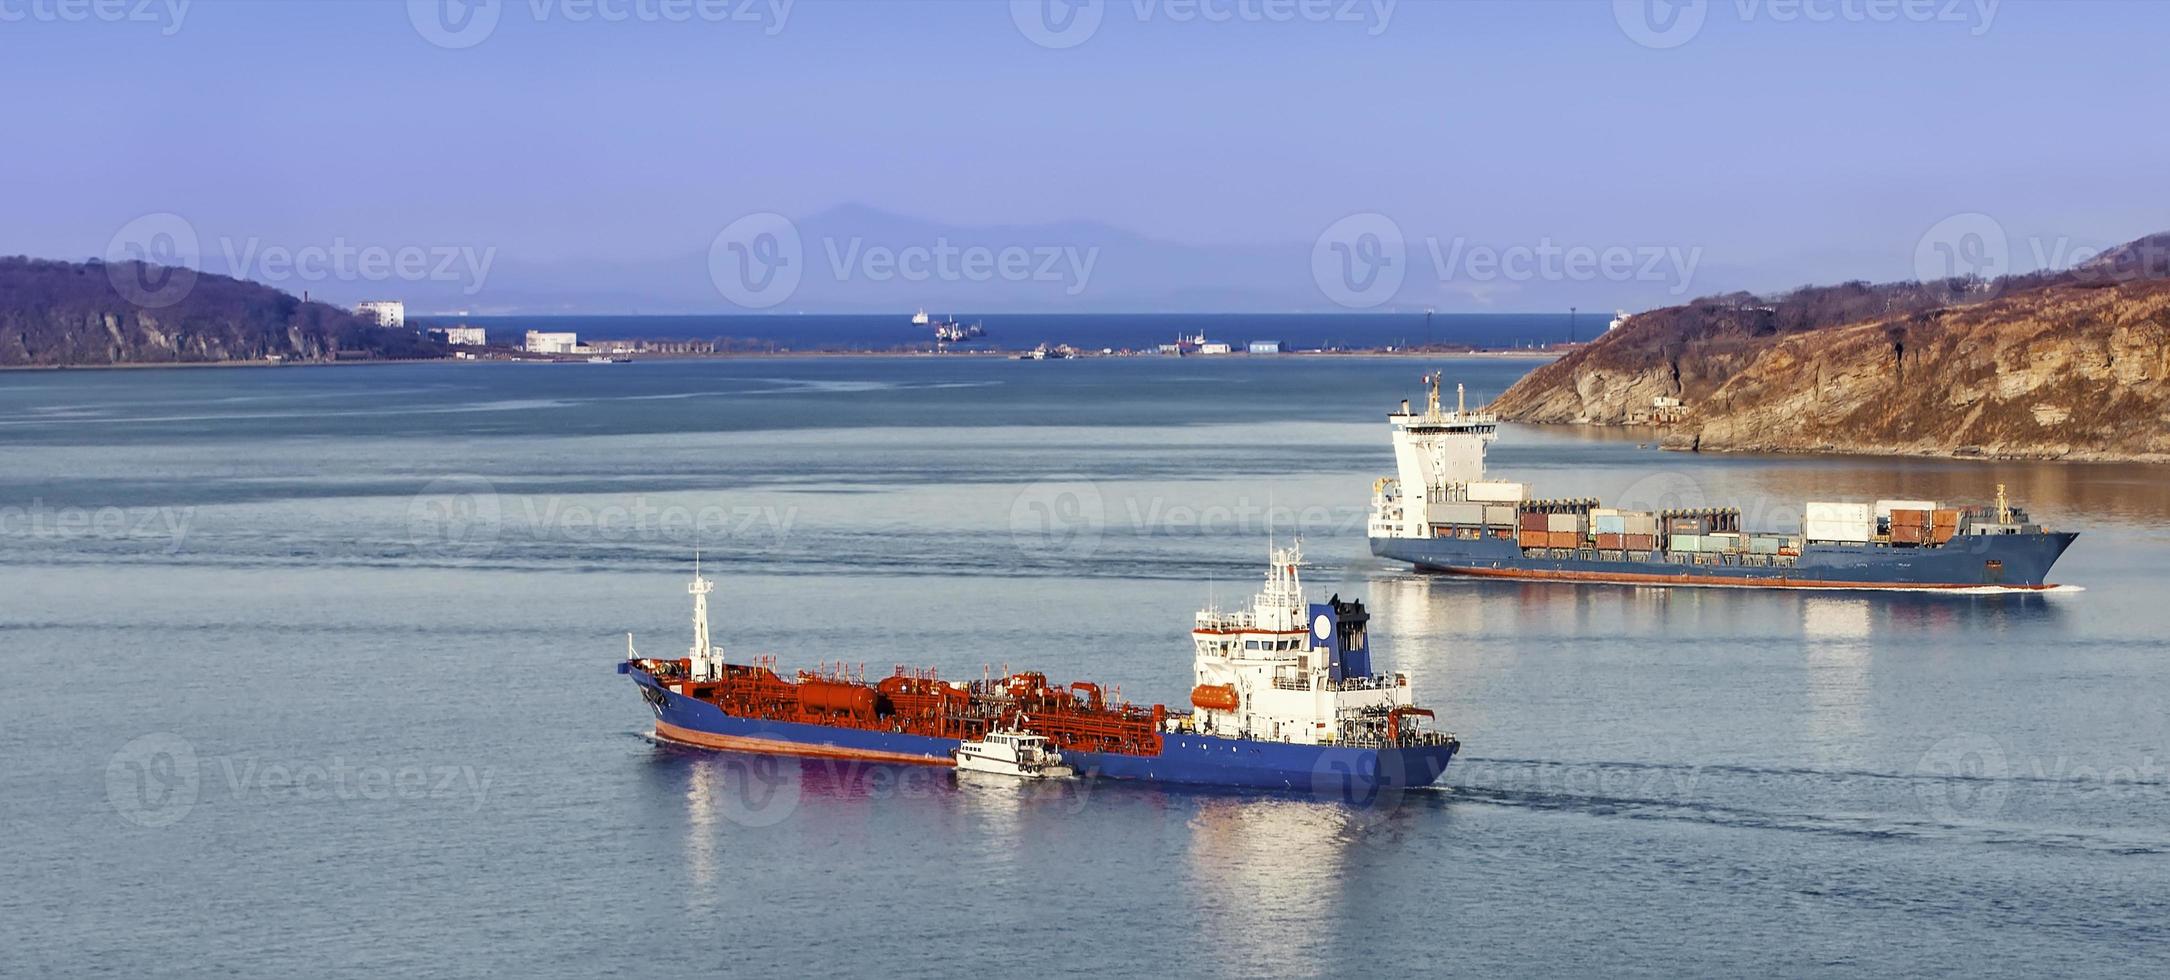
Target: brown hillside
2070 371
2058 365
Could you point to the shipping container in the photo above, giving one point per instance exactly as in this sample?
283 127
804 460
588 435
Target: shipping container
1837 530
1764 545
1533 521
1606 512
1686 543
1498 493
1465 514
1684 525
1641 523
1722 541
1641 542
1608 523
1902 517
1948 517
1884 508
1534 539
1557 523
1908 533
1565 539
1836 513
1499 516
1941 534
1611 541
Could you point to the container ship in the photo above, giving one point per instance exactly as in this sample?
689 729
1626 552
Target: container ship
1441 514
1285 699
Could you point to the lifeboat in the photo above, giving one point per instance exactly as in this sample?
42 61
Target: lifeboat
1214 697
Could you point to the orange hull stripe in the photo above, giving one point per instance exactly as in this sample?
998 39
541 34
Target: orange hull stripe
1636 578
767 746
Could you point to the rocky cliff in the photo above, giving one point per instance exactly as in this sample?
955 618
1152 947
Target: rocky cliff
2073 365
65 313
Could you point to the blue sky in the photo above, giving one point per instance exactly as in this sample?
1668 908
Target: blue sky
1781 143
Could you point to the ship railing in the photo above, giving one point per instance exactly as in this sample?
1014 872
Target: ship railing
1292 684
1408 740
1374 682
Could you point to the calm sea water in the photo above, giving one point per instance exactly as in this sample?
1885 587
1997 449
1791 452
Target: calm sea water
310 673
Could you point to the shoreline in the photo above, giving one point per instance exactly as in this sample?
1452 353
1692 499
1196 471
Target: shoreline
1528 355
1873 452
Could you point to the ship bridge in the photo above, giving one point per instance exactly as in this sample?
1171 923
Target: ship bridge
1437 455
1291 670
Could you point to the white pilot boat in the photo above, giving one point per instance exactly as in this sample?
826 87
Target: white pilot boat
1006 753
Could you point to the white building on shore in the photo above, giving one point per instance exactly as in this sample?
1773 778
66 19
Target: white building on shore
460 336
387 312
543 342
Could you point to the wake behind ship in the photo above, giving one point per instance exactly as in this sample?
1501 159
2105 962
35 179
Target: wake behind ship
1441 514
1285 698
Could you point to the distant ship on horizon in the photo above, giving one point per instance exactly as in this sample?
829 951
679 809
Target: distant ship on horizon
947 330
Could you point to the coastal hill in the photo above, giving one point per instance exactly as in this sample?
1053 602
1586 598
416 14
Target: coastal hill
68 313
2064 365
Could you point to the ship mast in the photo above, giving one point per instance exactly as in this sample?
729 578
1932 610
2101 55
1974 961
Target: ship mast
699 589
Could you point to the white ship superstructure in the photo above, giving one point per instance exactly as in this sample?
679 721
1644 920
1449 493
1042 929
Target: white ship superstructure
1288 671
1438 459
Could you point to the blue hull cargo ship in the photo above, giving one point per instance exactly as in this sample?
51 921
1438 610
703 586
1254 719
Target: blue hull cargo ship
1285 699
1440 514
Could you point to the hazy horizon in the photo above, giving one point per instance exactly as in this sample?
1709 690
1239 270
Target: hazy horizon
768 156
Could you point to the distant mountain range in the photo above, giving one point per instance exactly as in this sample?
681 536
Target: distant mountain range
2064 365
1073 267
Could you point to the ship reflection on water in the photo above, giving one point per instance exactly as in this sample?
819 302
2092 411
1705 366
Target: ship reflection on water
1256 866
1419 605
903 847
